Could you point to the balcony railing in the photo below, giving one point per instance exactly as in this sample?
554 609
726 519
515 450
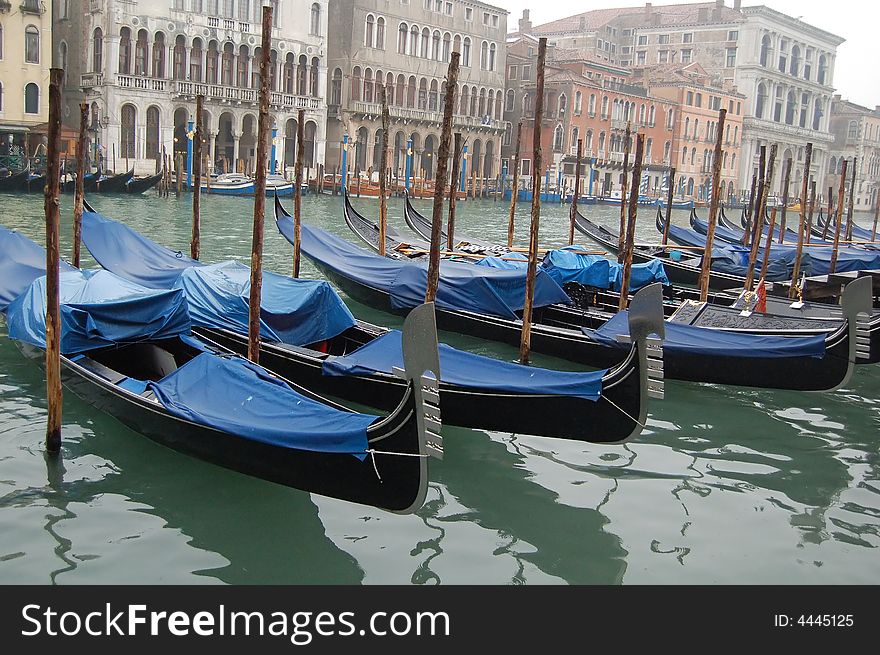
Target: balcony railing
410 113
32 7
91 80
218 92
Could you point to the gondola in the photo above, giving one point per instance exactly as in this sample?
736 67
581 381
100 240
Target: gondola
148 373
722 311
421 226
69 185
141 184
822 362
355 361
114 183
859 233
14 181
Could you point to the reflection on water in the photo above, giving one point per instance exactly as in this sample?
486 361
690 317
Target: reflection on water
726 485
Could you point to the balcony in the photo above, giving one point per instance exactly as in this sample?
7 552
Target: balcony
91 80
427 116
230 94
142 83
32 7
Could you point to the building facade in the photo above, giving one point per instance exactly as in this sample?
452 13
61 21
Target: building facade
785 69
694 134
25 59
856 132
404 46
141 65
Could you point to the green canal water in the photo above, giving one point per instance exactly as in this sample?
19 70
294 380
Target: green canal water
726 485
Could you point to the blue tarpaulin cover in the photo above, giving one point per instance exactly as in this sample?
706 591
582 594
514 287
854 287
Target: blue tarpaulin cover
462 287
296 312
567 265
469 370
235 396
98 309
688 339
21 262
131 255
512 261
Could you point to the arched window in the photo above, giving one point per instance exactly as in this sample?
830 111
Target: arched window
667 151
141 53
32 45
423 94
179 64
302 74
492 50
853 130
484 55
602 142
557 139
400 91
466 51
356 83
380 33
652 116
426 43
368 85
411 92
414 41
790 107
336 87
511 98
795 60
805 109
31 99
436 53
575 134
604 107
159 55
97 50
697 129
765 50
369 31
735 134
761 101
402 31
124 51
433 96
481 108
823 69
642 110
313 78
315 20
211 61
563 101
447 41
126 132
152 141
195 60
733 163
687 126
465 101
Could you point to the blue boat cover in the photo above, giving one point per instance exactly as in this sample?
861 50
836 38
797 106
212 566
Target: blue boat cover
691 340
567 265
512 261
131 255
296 312
463 287
237 397
469 370
848 259
21 262
98 309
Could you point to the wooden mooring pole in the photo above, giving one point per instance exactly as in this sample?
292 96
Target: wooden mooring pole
623 187
453 191
537 168
577 190
830 213
715 201
383 163
629 241
670 191
802 224
196 241
260 192
514 189
440 181
297 190
841 201
786 184
766 176
849 209
51 208
79 194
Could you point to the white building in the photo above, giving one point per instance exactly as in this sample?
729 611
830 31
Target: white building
785 68
141 63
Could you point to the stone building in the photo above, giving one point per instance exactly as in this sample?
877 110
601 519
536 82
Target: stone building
140 65
25 59
692 150
856 132
405 45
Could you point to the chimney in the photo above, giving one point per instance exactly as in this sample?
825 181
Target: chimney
648 8
525 25
737 4
582 23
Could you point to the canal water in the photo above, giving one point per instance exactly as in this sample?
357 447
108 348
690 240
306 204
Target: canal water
727 485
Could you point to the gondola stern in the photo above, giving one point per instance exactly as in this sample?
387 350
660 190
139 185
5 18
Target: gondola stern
857 304
648 329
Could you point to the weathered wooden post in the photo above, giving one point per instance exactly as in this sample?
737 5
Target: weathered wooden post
706 270
809 230
195 244
514 190
876 216
383 162
750 208
577 190
769 244
631 222
841 201
849 210
758 219
669 192
260 192
80 181
537 166
51 209
802 225
830 213
440 180
623 188
453 192
179 164
786 183
297 192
